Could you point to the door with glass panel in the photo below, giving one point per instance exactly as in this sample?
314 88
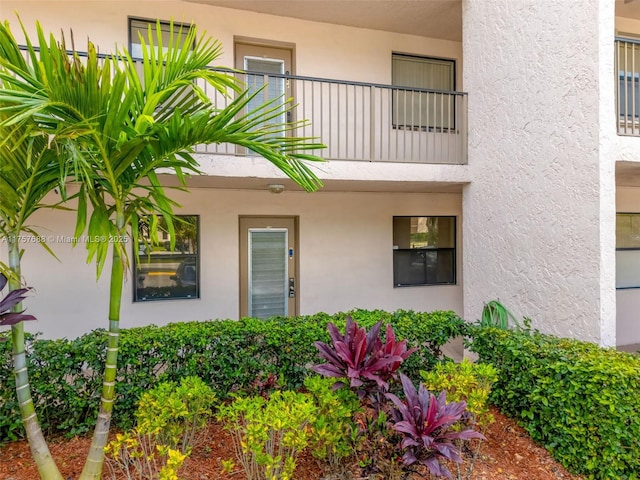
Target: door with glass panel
265 65
268 267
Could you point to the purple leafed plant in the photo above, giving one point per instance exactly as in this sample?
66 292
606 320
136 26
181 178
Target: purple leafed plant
425 422
7 317
360 359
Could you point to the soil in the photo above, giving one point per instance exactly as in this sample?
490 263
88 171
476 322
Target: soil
508 454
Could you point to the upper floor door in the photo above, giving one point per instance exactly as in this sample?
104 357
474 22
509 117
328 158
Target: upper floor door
266 64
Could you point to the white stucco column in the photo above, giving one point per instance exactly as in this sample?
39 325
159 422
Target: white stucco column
539 214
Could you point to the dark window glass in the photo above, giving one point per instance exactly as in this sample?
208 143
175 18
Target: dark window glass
424 251
166 272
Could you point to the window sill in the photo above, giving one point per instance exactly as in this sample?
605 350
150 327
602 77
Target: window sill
400 285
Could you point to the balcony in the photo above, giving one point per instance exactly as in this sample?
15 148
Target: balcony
627 68
357 121
367 122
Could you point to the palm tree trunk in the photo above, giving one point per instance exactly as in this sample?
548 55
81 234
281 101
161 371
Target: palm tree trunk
39 450
95 460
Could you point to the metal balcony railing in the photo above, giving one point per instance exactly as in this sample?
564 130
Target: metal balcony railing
363 121
366 121
627 71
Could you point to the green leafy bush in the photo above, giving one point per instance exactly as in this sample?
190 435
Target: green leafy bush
332 428
136 455
466 381
168 418
472 383
176 412
228 355
580 401
269 434
65 377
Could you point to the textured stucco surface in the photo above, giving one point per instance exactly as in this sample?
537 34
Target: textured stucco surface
535 211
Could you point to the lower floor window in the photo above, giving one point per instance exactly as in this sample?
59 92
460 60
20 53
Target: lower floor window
166 269
627 250
424 251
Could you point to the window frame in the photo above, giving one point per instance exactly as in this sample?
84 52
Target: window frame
397 89
182 257
625 249
454 250
163 23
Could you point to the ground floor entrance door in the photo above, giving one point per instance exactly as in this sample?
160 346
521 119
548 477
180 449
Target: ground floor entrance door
268 267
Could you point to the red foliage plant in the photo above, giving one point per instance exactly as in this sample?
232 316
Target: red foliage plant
425 422
14 297
360 360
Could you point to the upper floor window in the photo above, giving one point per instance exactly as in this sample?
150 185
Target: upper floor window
164 271
140 27
424 251
416 109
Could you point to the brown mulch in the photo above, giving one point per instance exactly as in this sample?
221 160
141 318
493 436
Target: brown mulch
508 454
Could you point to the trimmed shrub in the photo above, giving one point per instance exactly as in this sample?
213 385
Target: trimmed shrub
471 382
578 400
66 375
269 434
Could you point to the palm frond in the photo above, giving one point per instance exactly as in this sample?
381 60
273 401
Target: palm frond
117 124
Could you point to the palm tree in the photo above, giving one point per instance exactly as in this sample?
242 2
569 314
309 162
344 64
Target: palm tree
28 172
125 127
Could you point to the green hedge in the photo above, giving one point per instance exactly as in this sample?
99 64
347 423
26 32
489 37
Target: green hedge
229 355
580 401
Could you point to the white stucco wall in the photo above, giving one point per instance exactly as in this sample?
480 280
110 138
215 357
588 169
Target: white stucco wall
345 255
539 213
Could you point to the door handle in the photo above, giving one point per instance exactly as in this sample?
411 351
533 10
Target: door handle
292 287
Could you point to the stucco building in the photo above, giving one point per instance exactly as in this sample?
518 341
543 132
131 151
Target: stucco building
477 150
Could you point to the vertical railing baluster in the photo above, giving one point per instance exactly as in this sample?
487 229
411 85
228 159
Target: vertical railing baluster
421 127
372 124
449 126
626 87
338 119
330 115
397 119
412 135
634 72
441 136
616 85
346 121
